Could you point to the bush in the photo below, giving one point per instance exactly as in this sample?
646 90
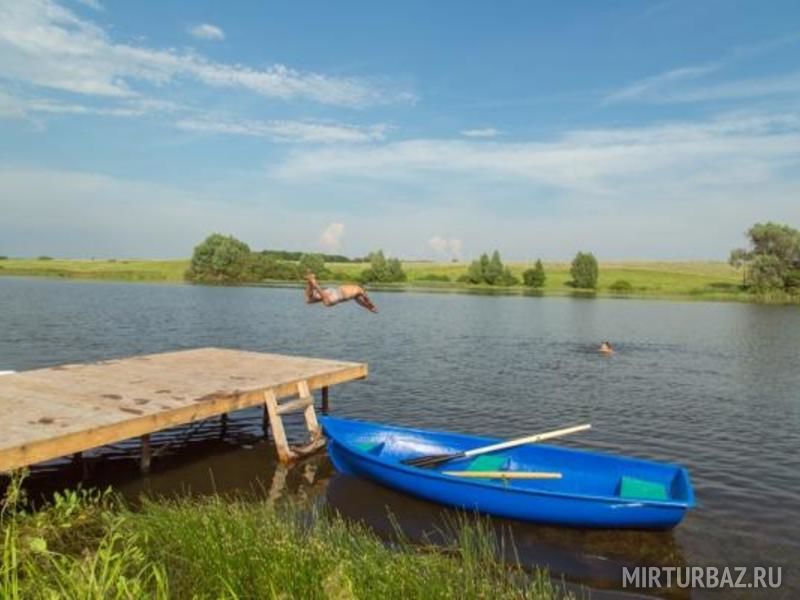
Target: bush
220 259
433 277
3 258
535 277
45 258
584 271
621 286
260 267
792 280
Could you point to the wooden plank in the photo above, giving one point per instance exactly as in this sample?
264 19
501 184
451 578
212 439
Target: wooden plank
49 413
294 405
310 414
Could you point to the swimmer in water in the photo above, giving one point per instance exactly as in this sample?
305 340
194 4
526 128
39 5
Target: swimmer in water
333 296
605 348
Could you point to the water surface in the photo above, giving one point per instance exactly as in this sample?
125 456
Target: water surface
713 386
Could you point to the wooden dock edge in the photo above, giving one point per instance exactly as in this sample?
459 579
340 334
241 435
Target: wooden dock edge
65 445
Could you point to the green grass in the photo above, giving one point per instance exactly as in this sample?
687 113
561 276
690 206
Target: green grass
122 269
89 545
656 279
702 280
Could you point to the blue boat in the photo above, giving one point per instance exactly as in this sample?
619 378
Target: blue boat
594 489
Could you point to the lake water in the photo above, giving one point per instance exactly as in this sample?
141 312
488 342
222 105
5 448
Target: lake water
713 386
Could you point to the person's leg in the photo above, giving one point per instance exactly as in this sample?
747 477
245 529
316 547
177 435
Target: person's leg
310 294
363 300
318 292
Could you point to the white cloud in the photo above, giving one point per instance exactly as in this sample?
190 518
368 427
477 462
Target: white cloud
446 248
286 131
487 132
93 4
206 31
44 44
11 107
331 238
703 83
592 161
652 87
15 107
682 86
629 192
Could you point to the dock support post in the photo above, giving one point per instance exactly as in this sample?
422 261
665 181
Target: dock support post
223 420
144 464
77 460
285 454
325 399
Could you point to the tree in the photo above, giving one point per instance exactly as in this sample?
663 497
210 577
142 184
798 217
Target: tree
767 273
507 278
220 259
314 263
383 271
260 267
584 271
494 270
475 270
489 271
394 270
535 277
773 259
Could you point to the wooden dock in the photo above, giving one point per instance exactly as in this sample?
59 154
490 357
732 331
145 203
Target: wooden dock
59 411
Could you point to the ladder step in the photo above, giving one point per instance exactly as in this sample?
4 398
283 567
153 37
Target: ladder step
295 405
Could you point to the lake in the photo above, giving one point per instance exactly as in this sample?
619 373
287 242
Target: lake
713 386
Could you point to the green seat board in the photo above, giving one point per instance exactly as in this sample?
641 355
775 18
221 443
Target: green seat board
365 446
642 489
488 462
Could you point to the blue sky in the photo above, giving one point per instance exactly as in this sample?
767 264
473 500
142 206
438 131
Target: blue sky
431 129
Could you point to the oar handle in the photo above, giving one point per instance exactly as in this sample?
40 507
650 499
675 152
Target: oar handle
504 474
531 439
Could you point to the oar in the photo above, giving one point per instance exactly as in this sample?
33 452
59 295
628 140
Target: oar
504 474
431 460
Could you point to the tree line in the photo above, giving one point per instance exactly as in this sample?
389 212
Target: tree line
225 259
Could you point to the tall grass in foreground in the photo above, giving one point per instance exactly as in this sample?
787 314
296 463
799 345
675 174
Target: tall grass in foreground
92 546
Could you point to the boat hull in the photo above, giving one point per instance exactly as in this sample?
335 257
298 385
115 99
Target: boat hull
496 498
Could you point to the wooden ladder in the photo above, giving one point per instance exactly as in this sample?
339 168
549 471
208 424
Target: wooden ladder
304 402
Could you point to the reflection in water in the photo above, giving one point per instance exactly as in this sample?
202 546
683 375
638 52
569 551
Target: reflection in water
593 557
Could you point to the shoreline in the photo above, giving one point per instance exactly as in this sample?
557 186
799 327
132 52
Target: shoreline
657 280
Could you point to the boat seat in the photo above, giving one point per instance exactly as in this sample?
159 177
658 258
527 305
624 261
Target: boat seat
370 447
488 462
641 489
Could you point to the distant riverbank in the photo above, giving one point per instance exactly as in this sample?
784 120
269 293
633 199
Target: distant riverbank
698 280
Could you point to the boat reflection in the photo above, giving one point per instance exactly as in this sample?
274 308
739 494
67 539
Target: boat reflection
587 556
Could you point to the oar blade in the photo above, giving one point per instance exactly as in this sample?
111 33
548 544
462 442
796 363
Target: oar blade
431 460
